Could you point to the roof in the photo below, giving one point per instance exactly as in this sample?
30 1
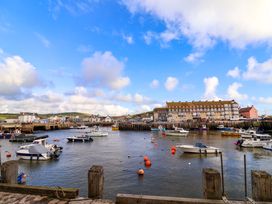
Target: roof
161 108
194 103
246 109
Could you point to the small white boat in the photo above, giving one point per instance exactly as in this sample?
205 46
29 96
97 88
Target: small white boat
80 138
177 132
82 127
39 150
198 148
256 140
98 134
268 146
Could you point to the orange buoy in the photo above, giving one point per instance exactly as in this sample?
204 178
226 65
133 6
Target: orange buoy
140 172
148 163
173 151
8 154
146 158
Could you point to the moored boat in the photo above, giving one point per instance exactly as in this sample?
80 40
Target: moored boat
198 148
177 132
80 138
268 146
39 150
256 140
98 134
222 127
115 127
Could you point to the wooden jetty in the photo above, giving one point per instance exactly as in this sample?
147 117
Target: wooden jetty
213 193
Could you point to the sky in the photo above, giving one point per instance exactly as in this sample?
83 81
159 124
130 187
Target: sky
115 57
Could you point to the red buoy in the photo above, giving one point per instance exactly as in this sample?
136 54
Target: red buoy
148 163
146 158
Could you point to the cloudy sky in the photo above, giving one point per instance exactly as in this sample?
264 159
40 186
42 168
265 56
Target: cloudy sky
125 56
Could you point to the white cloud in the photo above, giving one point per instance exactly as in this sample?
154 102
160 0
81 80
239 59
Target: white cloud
164 38
211 84
171 83
46 43
264 100
204 22
103 69
148 36
16 75
257 71
154 84
234 73
193 57
128 39
233 92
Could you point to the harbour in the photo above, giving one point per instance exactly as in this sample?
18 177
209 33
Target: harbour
121 154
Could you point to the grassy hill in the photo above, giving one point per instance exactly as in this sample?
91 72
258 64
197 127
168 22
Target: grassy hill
4 116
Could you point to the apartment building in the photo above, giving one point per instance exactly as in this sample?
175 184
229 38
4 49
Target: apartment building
210 110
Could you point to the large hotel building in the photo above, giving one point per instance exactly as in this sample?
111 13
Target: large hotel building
209 110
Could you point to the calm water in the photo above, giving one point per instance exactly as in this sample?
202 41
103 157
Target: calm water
169 175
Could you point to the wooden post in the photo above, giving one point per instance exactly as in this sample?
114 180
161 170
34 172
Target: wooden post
261 186
9 172
95 182
212 188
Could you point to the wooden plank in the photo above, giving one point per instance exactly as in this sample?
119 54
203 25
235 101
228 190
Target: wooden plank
54 192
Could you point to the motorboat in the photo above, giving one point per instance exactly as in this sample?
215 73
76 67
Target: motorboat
177 132
222 127
98 134
80 138
198 148
39 150
256 140
268 146
247 134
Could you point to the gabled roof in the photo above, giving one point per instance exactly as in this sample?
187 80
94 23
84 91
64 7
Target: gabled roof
246 109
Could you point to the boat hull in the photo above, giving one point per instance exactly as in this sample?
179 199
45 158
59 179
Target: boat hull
198 150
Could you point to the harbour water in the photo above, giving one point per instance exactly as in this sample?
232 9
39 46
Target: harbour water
121 155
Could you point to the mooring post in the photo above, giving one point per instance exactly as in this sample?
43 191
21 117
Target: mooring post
95 182
245 176
222 173
211 184
9 172
261 186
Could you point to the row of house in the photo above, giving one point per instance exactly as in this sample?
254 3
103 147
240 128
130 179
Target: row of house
205 110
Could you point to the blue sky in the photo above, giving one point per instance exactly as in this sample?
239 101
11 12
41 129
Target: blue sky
119 57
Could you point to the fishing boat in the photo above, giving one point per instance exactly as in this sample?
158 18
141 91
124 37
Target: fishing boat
177 132
198 148
39 150
115 127
233 133
257 140
80 138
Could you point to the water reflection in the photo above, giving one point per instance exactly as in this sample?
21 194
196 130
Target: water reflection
121 154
